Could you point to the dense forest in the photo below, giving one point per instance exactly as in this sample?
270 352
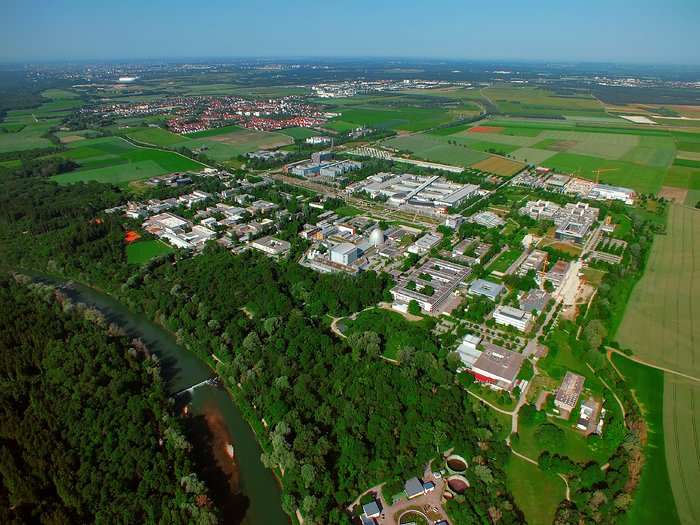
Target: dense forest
87 433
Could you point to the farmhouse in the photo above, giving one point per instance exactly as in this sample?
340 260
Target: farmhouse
569 391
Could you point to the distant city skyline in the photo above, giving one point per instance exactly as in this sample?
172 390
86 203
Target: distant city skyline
643 32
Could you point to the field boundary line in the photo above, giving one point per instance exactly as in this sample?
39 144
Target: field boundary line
645 363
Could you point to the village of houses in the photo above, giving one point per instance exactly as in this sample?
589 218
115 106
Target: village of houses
436 271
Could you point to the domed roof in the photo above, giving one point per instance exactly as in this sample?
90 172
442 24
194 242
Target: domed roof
377 236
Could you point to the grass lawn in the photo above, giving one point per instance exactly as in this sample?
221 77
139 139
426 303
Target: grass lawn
505 260
141 251
396 332
537 493
654 501
349 211
573 444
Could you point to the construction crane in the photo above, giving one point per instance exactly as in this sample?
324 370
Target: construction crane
598 172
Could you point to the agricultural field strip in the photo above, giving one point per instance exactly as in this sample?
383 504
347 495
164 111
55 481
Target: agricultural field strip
681 429
660 328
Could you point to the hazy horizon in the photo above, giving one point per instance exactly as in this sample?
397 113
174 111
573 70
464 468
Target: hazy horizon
645 33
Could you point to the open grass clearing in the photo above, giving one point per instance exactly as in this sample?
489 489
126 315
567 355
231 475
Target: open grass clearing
532 155
537 493
505 260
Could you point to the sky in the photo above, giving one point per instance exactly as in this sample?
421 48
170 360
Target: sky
623 31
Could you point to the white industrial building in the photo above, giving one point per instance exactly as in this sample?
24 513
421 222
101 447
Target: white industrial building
612 193
344 253
509 316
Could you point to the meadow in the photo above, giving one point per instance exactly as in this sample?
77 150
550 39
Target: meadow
24 129
537 493
222 144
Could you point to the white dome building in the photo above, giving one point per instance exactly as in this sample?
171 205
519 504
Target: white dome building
377 236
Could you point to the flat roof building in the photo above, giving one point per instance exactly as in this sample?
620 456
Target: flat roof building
425 243
444 278
498 366
569 391
486 288
509 316
271 246
344 253
534 261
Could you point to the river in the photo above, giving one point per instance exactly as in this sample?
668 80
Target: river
243 488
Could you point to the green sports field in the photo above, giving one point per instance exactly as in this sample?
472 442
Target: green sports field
142 251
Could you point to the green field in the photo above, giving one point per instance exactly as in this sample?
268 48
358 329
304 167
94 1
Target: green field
681 430
644 179
299 133
153 136
404 119
518 100
537 493
140 252
433 149
654 501
642 158
663 327
505 260
114 160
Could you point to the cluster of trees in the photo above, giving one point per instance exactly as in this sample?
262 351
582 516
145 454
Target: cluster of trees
88 434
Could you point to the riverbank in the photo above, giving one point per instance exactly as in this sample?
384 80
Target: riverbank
246 491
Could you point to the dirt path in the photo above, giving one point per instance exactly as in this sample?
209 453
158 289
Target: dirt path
619 402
